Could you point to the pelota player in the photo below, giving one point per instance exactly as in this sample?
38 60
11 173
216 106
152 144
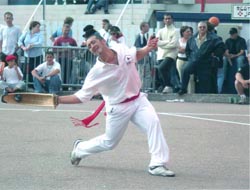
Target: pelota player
115 77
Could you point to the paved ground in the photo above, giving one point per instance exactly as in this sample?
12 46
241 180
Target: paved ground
209 146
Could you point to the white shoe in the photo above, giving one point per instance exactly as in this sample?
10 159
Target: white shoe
161 171
167 89
243 100
73 158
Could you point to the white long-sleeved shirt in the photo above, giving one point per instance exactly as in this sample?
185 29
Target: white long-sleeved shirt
168 42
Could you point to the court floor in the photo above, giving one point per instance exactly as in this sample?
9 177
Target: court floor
209 149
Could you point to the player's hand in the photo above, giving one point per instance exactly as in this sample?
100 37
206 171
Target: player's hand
152 42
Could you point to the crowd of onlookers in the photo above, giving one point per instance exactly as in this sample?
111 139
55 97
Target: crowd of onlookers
187 62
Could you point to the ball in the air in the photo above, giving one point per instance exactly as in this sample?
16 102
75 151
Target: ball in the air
214 20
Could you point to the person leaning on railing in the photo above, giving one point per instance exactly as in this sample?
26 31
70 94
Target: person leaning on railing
31 42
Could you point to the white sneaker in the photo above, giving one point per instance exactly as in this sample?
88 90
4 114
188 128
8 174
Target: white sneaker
73 158
243 100
167 89
161 171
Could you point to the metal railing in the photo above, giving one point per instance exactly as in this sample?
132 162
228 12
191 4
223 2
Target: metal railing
77 61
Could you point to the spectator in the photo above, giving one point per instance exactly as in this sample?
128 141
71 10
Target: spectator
235 48
200 50
185 33
242 81
12 76
248 46
217 65
116 36
58 32
65 54
9 36
92 6
104 32
142 37
31 42
234 58
47 76
143 66
166 55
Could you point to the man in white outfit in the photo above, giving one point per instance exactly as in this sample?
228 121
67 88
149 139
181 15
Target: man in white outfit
9 36
115 77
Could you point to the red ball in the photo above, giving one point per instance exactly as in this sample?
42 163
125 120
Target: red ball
214 20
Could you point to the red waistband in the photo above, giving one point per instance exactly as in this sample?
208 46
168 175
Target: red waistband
131 99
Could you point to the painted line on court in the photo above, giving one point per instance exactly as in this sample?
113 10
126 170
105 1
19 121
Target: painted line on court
206 119
184 115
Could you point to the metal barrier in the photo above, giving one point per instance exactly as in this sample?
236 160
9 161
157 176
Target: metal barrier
76 63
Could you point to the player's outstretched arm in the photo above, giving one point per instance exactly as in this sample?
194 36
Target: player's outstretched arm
71 99
151 45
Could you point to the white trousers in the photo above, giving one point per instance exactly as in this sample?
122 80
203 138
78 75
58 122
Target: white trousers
143 115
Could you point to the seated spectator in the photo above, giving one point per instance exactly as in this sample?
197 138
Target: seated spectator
116 36
235 48
47 76
12 76
69 21
234 58
242 81
92 6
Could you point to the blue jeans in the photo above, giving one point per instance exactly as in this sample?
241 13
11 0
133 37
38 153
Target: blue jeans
220 79
51 86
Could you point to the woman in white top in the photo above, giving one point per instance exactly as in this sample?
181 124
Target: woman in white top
185 32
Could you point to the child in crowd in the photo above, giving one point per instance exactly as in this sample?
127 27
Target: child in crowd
12 76
47 76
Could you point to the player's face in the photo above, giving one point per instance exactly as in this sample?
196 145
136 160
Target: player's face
95 45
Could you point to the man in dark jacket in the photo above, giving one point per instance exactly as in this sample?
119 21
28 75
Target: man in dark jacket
201 50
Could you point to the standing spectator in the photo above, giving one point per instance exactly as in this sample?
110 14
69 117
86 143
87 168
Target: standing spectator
142 37
200 50
31 42
217 65
9 36
92 6
116 36
47 76
166 55
104 31
242 81
143 66
185 33
65 54
12 76
58 32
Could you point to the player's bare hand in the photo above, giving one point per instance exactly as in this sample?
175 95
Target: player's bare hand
152 42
